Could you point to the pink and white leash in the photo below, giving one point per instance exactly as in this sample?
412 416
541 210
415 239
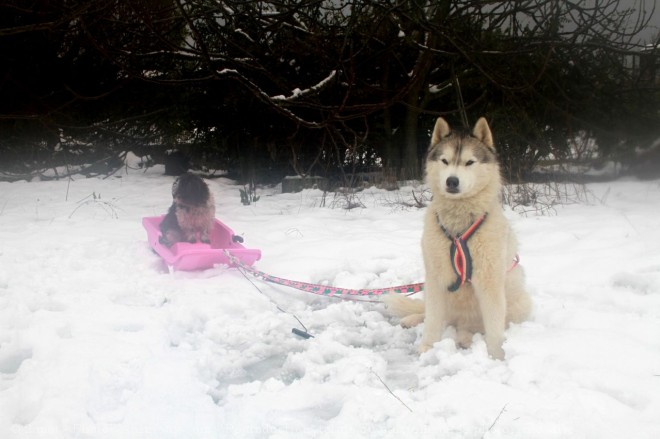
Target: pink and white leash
325 290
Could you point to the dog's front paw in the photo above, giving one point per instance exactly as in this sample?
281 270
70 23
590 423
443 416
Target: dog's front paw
496 352
464 338
412 320
424 347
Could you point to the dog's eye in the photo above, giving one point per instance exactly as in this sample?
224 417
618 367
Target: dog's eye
445 161
469 163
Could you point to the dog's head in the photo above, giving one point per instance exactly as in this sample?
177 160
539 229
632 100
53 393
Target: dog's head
460 164
191 190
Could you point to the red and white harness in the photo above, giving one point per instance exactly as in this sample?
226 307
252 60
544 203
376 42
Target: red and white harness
459 253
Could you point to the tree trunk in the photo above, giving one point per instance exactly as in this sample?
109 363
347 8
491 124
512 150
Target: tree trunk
410 168
415 101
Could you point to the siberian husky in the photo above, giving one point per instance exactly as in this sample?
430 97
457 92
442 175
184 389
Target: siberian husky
473 281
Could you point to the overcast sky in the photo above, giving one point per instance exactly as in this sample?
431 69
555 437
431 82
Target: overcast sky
654 26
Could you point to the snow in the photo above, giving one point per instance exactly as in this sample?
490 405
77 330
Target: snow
98 340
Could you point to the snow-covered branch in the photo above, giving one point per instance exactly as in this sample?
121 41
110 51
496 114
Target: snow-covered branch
298 93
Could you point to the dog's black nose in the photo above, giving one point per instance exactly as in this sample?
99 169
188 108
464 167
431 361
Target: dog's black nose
452 184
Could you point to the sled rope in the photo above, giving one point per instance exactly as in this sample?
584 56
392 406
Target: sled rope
459 253
325 290
304 333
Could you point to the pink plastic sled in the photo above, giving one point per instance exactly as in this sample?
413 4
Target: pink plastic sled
185 256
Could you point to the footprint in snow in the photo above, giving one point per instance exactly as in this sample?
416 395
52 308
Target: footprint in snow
11 361
645 281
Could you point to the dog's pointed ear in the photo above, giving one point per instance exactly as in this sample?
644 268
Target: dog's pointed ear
482 132
440 131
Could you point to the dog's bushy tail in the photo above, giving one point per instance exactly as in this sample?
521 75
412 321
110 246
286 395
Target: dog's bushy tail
403 306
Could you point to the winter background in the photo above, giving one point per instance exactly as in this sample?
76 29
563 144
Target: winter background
99 340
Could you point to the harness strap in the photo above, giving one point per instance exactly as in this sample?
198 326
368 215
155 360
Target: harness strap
516 261
459 252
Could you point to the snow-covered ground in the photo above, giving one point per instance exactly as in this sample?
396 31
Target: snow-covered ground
98 340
